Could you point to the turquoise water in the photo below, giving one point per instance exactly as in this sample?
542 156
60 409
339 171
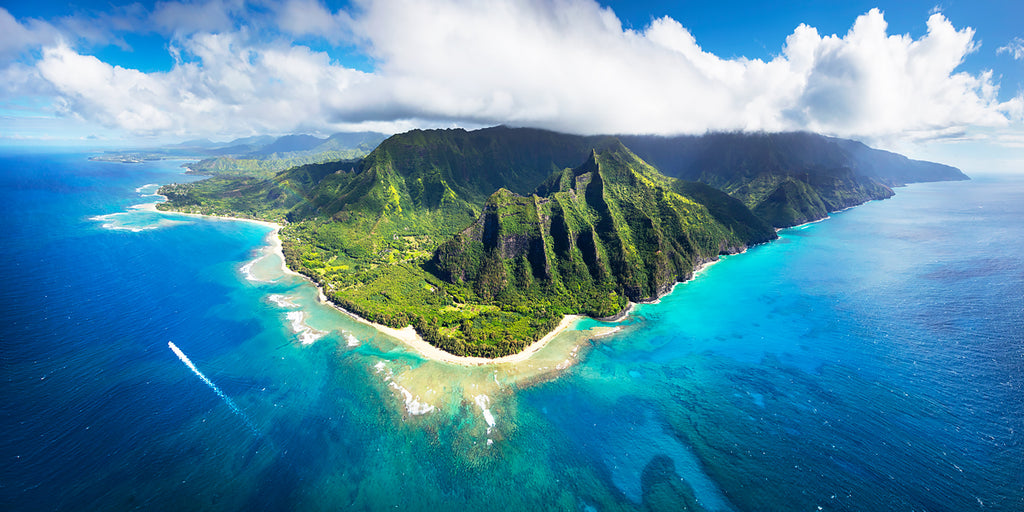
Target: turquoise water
872 361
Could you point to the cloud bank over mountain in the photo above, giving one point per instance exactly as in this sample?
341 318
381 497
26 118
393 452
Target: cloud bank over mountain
567 65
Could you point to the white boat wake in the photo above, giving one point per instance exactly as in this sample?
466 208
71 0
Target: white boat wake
231 403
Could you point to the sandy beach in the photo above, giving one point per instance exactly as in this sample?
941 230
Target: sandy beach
412 339
274 244
408 334
409 337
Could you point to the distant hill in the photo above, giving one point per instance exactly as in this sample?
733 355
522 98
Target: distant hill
263 156
483 239
255 141
787 178
259 156
894 169
288 144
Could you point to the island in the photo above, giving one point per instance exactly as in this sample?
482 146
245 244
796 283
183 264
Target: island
483 241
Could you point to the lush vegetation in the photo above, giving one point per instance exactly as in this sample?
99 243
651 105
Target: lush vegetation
787 178
266 167
483 240
609 231
264 157
252 197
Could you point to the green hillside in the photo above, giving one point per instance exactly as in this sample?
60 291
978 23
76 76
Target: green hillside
611 230
262 157
482 240
787 178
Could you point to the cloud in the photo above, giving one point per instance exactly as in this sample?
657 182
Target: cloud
16 37
1015 48
871 83
229 88
570 65
192 17
310 18
567 65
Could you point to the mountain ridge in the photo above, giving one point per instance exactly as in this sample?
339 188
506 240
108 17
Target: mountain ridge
482 240
788 178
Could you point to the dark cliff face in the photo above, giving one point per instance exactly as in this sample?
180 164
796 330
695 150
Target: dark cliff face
787 178
894 169
609 230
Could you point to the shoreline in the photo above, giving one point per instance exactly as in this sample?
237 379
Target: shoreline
808 223
408 335
630 306
828 215
275 246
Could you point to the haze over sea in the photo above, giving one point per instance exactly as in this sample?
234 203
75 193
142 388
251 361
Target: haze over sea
872 361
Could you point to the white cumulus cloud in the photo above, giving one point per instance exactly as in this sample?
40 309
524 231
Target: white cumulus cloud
1015 48
570 65
567 65
16 37
230 88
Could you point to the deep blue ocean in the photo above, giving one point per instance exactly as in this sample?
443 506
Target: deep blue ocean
871 361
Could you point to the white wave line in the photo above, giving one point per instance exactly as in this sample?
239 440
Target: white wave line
231 403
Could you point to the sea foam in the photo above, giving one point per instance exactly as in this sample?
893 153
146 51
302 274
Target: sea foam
297 322
134 221
484 403
413 405
281 301
351 340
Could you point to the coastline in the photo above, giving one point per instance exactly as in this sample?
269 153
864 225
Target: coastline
412 339
808 223
628 310
408 335
275 246
828 215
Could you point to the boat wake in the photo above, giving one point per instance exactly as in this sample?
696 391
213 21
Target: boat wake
231 403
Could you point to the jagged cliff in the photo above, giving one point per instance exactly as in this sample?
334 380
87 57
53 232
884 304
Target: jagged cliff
611 230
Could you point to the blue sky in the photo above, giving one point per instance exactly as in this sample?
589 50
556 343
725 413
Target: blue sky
942 80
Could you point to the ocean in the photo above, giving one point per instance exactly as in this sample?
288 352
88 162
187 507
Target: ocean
871 361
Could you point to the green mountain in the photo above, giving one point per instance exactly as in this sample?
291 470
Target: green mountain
894 169
263 156
787 178
473 164
610 230
482 240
